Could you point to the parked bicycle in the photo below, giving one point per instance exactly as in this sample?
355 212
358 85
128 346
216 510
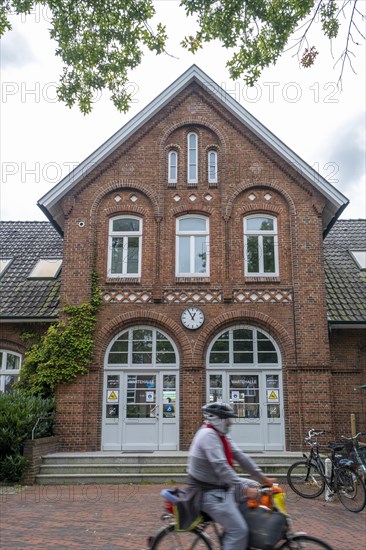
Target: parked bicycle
356 452
308 478
207 535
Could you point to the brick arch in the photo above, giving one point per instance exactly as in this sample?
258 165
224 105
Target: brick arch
181 210
249 185
150 318
114 186
194 121
251 317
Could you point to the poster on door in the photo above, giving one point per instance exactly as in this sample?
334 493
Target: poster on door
272 396
150 397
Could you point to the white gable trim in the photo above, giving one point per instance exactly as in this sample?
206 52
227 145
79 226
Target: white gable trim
194 73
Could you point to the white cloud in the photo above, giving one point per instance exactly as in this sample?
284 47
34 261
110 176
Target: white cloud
43 139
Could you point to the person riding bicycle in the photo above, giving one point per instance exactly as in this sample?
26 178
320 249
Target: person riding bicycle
211 472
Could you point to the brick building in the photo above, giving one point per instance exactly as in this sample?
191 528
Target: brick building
206 232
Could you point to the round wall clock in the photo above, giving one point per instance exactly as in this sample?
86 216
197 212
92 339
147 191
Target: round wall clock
192 318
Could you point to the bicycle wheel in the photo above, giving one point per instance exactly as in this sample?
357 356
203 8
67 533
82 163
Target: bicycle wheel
170 539
304 542
305 480
350 489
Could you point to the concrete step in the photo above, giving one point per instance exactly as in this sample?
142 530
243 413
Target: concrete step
118 468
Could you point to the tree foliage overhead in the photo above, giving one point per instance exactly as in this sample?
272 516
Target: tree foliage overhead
259 31
99 41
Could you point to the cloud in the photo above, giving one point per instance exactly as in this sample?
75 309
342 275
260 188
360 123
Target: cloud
15 50
348 150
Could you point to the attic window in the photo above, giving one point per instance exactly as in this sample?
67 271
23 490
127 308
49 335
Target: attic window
4 263
359 257
47 268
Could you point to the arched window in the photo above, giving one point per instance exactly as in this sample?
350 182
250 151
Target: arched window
260 245
192 246
9 369
212 166
192 158
141 347
172 167
124 251
243 346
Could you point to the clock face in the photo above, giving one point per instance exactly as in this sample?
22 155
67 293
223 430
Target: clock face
192 318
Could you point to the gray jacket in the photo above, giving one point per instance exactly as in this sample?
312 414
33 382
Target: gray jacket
207 461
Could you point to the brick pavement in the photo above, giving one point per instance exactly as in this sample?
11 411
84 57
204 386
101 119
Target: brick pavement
121 516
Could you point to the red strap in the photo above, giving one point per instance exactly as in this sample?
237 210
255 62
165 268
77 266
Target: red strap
227 449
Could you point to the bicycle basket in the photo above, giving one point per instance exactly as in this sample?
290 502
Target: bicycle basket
266 527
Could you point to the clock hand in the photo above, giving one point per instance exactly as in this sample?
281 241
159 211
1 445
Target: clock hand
192 316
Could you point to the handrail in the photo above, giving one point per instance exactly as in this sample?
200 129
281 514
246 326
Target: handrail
36 424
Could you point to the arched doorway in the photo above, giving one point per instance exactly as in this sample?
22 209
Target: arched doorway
140 397
244 369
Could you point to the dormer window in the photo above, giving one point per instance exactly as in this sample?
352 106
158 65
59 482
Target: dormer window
46 268
172 167
4 264
212 166
192 144
359 256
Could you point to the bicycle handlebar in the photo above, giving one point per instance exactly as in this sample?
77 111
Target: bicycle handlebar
314 433
354 437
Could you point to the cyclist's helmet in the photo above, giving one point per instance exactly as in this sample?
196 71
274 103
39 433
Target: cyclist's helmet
219 410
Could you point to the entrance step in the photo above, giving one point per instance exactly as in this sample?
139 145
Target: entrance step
156 467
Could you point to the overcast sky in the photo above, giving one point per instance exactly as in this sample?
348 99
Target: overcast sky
42 140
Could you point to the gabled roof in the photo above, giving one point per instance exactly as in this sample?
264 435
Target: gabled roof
336 202
22 298
345 281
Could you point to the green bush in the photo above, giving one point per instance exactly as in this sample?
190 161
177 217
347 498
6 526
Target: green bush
19 414
12 468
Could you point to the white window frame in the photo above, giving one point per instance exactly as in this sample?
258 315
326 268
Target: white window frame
212 178
192 246
172 166
260 234
191 162
124 235
4 372
4 264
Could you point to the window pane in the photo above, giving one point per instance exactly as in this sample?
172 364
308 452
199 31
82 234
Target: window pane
9 381
252 254
221 345
268 255
243 357
118 358
133 255
184 263
173 166
218 357
142 358
142 334
200 255
212 166
267 357
164 345
243 345
165 358
259 224
265 345
117 255
243 334
120 345
12 362
192 224
126 224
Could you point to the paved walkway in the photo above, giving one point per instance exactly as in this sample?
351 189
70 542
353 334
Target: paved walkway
121 516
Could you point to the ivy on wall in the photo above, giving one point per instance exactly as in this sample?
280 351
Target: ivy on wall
64 351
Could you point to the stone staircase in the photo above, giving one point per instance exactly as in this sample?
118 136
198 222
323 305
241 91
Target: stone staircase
156 467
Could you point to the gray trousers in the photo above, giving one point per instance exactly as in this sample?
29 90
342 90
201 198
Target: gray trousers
222 506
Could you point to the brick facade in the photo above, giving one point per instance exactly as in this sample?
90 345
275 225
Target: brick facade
290 307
